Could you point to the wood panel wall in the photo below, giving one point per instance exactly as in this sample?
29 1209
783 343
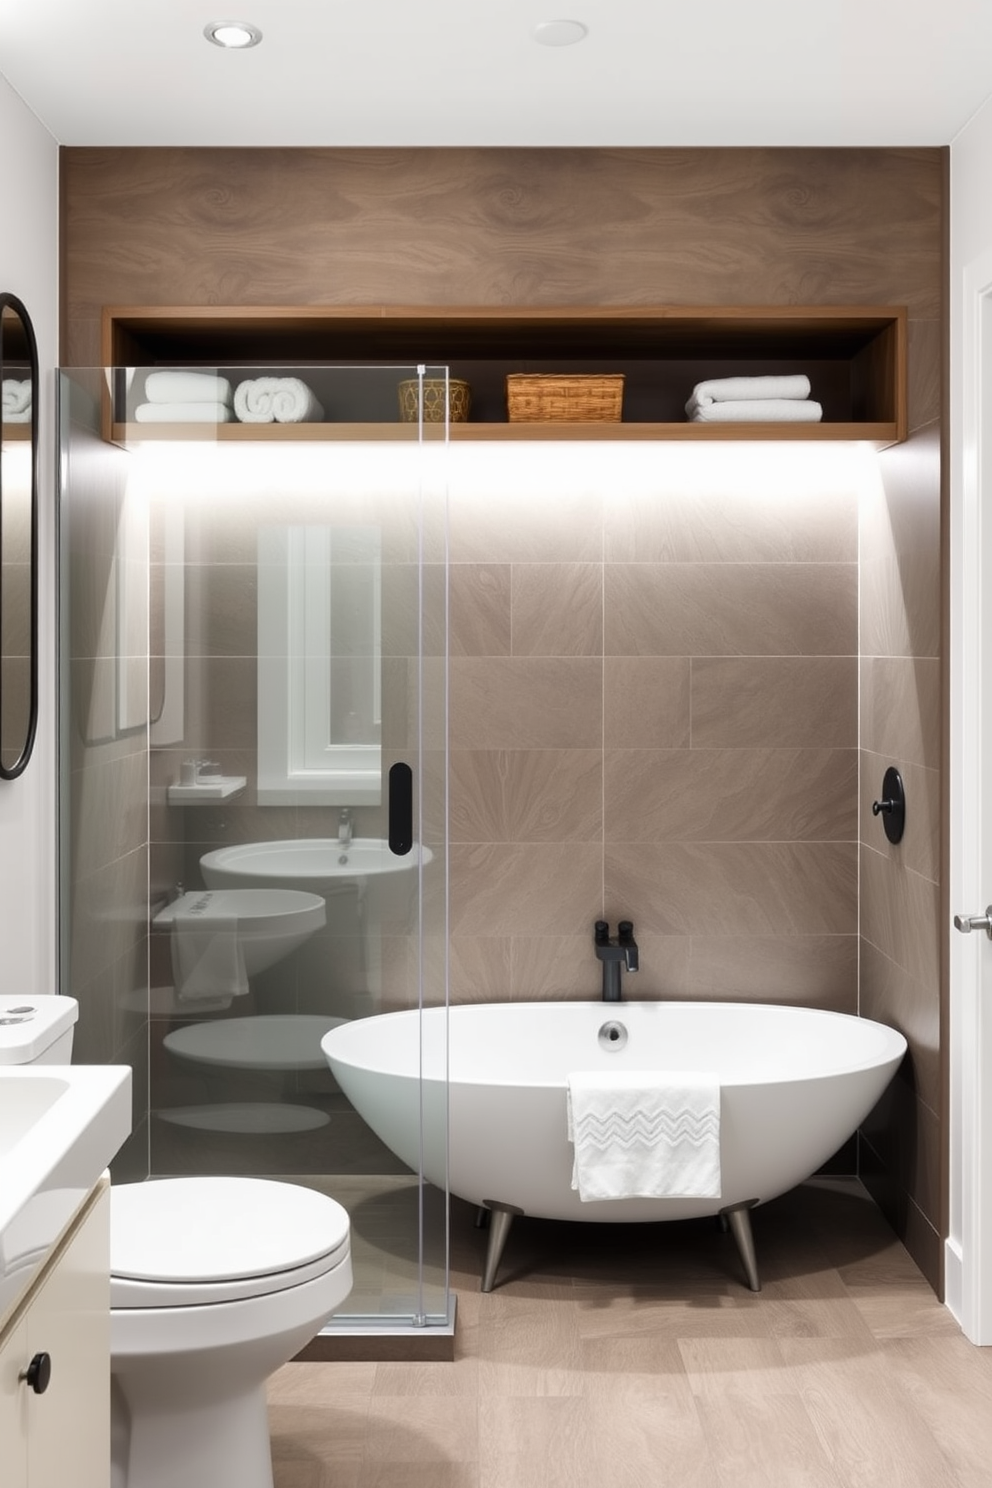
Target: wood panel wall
546 227
541 227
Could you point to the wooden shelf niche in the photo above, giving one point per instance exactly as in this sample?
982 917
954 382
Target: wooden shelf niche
855 357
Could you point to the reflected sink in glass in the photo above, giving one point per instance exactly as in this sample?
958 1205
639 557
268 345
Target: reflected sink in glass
318 865
60 1126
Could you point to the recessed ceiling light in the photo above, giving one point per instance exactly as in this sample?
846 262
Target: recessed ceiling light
235 35
560 33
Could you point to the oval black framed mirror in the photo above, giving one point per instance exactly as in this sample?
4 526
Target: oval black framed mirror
18 537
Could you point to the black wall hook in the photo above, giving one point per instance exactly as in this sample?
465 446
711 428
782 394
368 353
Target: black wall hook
892 807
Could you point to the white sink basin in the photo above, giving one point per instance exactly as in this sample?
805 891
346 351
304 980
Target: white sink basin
60 1125
315 864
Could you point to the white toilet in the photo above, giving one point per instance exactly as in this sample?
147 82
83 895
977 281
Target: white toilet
215 1283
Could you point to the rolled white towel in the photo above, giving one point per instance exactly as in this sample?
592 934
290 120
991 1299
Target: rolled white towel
16 400
283 400
735 389
183 413
753 410
187 387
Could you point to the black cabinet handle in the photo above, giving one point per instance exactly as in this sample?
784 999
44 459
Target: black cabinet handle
38 1373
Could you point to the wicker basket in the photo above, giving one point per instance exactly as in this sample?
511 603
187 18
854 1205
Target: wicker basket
546 398
459 400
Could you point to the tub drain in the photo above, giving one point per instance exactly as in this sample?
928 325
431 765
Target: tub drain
612 1036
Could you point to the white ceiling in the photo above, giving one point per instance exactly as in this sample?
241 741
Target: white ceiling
460 72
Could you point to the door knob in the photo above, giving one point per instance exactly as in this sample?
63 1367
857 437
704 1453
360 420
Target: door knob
38 1373
967 923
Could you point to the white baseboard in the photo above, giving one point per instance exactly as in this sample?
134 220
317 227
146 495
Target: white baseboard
954 1279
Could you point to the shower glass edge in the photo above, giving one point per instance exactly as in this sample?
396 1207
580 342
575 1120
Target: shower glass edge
173 537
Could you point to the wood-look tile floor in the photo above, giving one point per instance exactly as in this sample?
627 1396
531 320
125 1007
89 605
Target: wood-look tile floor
633 1357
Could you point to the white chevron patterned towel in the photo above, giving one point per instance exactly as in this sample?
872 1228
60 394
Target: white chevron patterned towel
644 1134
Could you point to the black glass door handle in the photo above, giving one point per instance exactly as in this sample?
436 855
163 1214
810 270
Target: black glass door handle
400 808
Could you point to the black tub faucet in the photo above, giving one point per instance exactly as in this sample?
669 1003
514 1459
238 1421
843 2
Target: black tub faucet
615 955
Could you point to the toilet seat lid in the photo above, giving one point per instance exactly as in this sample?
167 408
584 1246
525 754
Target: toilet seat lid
188 1230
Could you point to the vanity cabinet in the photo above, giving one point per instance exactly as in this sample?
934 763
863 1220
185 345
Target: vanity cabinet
855 357
62 1436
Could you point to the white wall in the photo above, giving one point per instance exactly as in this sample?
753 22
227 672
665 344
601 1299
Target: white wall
29 269
971 203
968 1276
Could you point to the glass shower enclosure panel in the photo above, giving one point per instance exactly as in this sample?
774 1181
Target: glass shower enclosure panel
253 635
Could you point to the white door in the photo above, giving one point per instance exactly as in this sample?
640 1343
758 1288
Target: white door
969 1245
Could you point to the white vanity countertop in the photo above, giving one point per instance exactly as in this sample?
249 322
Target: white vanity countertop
60 1126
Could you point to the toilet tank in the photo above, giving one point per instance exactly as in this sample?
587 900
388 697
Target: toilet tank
37 1030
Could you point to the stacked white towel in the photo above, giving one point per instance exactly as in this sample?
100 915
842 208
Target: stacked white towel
16 407
731 400
183 413
280 400
207 959
177 397
644 1134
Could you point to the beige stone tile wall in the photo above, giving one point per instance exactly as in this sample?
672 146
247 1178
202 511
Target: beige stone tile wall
654 713
901 916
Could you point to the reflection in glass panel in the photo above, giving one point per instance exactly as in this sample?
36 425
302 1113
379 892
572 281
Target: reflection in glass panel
286 602
319 664
18 454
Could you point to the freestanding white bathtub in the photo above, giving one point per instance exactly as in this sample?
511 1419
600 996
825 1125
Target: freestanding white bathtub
483 1088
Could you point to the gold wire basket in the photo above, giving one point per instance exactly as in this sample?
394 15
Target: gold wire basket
575 399
459 400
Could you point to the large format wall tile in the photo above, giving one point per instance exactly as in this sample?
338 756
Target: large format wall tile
221 610
905 1134
557 609
524 505
901 708
524 888
479 615
700 505
897 997
900 914
747 888
902 921
722 795
526 703
775 702
646 702
224 694
726 609
808 970
900 551
526 795
804 970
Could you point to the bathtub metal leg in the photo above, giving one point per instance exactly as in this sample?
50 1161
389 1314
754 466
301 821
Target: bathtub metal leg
500 1220
482 1217
738 1218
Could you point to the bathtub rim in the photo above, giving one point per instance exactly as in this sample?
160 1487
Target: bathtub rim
895 1041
